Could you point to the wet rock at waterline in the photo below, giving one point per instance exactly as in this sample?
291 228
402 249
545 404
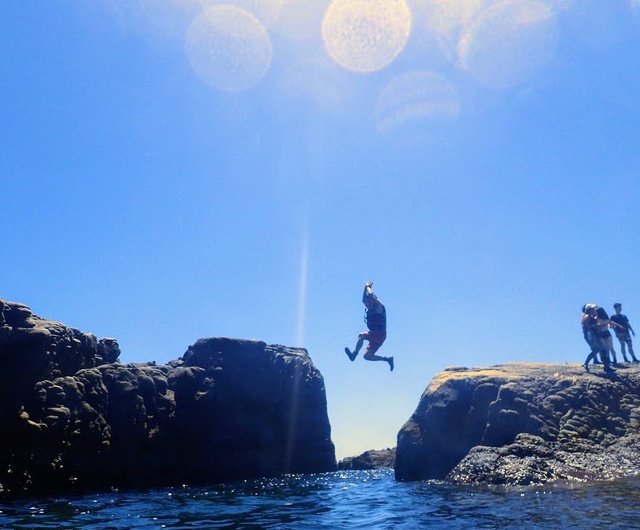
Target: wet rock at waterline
524 423
372 459
74 417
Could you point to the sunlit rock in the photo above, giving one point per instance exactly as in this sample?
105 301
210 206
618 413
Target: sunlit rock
524 423
73 417
372 459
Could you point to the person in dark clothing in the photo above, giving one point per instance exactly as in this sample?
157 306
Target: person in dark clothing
595 328
603 335
588 323
622 329
376 319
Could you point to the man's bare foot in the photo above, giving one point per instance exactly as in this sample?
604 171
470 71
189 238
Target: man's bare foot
352 356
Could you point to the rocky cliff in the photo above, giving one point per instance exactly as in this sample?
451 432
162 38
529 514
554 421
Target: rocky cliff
524 424
372 459
72 416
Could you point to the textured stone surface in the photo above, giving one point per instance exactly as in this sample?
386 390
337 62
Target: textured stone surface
372 459
73 416
524 423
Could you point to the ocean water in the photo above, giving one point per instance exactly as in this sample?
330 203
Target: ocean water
349 499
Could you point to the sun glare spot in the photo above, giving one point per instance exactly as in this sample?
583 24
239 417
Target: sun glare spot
366 35
508 43
228 48
416 97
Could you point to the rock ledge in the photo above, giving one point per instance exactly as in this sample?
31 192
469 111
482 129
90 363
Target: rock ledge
74 417
524 423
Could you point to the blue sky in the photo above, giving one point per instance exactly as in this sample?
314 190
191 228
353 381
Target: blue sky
165 179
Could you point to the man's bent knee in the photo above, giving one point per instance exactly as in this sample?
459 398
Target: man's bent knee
371 351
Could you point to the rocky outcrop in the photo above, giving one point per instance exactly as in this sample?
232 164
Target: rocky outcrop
372 459
73 416
524 424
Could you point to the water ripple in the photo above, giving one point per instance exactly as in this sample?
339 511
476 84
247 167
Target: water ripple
347 499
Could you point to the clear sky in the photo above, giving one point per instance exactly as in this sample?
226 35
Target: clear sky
178 169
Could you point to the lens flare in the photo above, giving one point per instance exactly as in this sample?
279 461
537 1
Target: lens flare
228 48
446 20
366 35
415 97
509 43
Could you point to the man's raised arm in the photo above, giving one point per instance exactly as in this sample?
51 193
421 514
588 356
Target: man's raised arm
368 290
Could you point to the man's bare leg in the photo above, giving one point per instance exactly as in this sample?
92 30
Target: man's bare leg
623 350
373 357
359 344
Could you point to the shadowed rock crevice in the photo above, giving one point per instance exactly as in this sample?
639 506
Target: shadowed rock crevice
227 409
522 424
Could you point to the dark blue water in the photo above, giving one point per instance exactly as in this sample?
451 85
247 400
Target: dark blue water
350 499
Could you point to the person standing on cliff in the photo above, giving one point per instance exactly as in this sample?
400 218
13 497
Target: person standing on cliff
622 332
595 328
588 324
376 319
603 335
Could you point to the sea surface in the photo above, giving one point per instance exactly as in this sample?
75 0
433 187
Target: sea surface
348 499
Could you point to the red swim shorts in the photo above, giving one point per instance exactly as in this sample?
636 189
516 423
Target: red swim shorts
376 338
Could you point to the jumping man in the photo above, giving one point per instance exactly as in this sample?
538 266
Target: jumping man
376 319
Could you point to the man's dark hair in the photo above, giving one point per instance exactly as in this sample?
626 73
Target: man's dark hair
617 304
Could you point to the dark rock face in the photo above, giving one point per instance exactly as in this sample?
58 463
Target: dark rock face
372 459
524 424
73 416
